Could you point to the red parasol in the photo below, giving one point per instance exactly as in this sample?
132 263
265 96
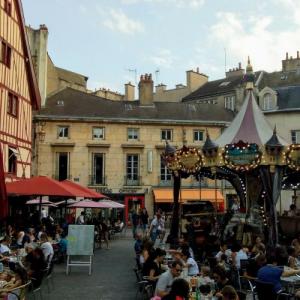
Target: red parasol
90 204
85 192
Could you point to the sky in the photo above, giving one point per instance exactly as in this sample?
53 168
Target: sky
115 41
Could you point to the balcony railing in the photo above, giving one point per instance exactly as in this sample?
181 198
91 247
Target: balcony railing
133 182
97 181
162 182
57 177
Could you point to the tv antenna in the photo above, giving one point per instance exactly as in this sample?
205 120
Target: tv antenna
157 71
135 74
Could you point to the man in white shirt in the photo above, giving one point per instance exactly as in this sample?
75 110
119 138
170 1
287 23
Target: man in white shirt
4 246
164 283
223 250
237 254
47 248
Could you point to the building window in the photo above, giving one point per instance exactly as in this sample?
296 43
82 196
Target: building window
98 169
12 104
132 133
166 134
268 102
295 134
63 132
229 102
5 54
165 174
132 169
7 7
98 133
62 165
198 135
12 161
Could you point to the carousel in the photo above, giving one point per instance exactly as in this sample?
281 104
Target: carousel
250 155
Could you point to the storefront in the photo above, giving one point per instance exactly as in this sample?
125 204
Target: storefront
163 196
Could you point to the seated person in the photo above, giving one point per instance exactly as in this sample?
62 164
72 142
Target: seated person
35 264
179 290
259 247
237 254
228 293
205 291
155 266
4 246
223 250
47 248
204 277
20 277
164 283
190 263
254 265
220 277
293 261
274 271
293 212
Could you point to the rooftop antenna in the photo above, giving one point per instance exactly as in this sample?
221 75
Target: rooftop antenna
157 71
225 59
135 74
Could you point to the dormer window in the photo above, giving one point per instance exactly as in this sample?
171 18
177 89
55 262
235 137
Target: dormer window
268 102
229 102
60 103
224 83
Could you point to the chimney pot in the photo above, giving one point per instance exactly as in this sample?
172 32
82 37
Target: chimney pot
240 65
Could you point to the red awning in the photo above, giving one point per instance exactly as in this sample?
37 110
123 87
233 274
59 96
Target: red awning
84 191
39 186
3 195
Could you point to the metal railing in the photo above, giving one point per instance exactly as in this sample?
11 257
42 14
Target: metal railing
97 180
133 182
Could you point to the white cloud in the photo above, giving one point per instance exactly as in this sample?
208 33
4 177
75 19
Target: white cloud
293 8
253 36
118 21
163 58
176 3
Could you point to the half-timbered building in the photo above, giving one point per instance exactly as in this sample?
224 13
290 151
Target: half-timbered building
19 94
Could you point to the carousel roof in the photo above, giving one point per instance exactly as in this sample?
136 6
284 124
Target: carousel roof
249 125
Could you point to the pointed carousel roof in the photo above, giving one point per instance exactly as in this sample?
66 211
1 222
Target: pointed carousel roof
249 125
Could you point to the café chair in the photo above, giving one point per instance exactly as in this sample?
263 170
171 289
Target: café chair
144 286
19 292
36 289
266 288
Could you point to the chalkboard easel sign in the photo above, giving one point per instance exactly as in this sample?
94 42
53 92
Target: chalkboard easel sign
80 243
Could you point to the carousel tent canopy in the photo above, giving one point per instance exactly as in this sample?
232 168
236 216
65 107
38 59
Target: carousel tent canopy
249 125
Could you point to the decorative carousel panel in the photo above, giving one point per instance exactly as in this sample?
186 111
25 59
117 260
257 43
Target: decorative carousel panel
242 156
189 159
293 157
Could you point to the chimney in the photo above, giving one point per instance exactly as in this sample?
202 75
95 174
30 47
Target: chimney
235 71
129 91
286 55
298 55
195 80
159 89
146 90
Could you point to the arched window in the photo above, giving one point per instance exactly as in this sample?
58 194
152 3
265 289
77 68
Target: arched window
268 102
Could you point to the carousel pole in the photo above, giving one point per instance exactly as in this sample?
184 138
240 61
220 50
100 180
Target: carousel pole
174 231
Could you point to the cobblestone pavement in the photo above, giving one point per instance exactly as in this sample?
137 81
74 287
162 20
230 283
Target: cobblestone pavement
112 277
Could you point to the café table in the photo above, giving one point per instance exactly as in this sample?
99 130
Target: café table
291 283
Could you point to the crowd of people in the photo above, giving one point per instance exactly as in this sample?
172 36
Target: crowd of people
219 265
